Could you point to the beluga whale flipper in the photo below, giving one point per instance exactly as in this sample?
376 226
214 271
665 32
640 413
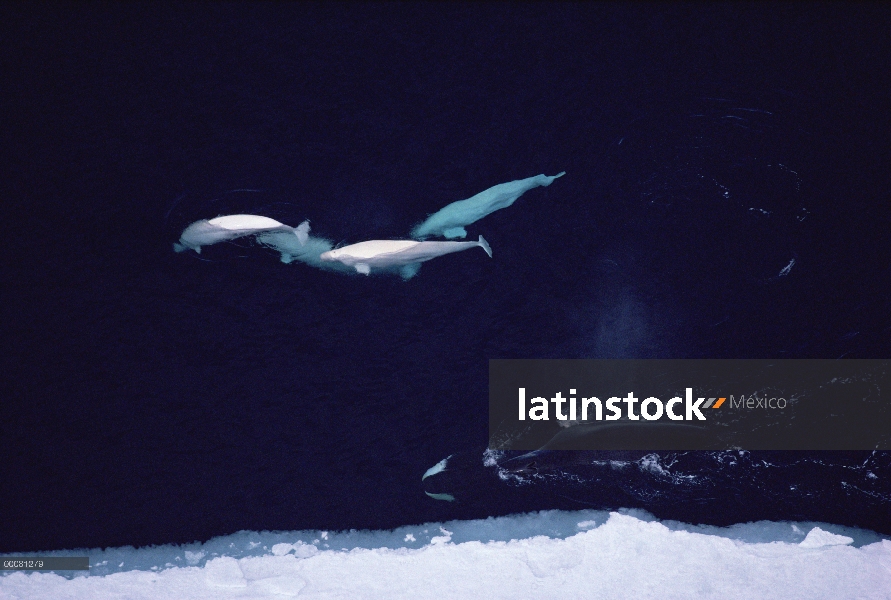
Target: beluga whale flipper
404 255
449 222
222 229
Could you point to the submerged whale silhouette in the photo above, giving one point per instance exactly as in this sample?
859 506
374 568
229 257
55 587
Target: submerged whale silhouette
620 440
222 229
405 255
449 222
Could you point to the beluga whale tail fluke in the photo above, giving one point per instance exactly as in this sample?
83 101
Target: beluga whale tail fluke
485 246
403 256
300 246
450 221
229 227
302 233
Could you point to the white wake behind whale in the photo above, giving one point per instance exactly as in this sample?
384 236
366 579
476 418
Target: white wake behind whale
307 250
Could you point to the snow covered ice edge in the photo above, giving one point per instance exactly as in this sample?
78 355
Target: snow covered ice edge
591 553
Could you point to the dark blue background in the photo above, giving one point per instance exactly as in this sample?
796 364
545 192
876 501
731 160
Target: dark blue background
152 397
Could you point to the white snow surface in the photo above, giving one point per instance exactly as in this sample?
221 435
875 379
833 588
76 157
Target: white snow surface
583 554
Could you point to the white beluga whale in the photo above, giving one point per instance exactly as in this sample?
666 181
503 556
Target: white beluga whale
436 469
404 255
229 227
450 221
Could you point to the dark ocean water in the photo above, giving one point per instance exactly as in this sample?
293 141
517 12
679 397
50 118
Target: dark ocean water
153 397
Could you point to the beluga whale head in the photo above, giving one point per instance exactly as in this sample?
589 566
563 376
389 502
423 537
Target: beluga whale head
331 254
